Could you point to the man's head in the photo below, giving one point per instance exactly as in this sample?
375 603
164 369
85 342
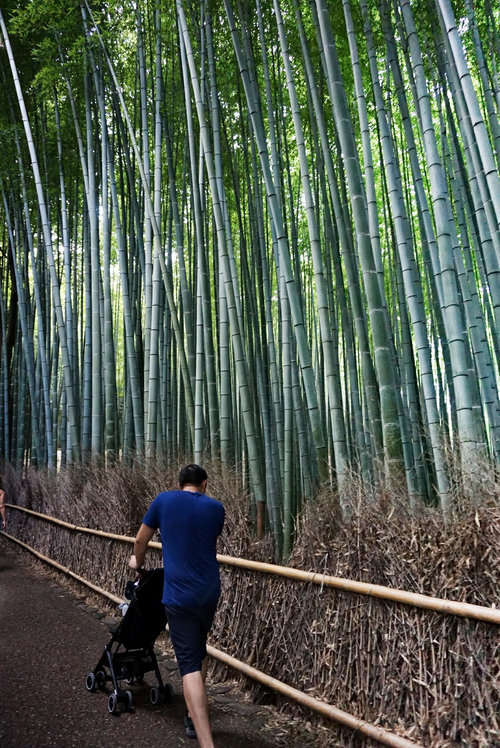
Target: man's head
192 475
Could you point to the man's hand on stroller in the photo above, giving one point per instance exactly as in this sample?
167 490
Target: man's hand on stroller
134 565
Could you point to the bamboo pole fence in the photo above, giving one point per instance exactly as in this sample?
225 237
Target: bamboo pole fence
415 599
65 570
379 734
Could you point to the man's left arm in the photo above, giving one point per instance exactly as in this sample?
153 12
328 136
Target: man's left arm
140 546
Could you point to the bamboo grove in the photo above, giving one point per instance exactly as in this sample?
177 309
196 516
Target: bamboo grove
261 232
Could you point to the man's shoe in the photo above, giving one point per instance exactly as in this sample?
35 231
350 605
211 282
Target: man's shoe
188 723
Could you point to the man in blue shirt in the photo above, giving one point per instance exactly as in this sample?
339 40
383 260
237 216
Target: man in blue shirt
189 523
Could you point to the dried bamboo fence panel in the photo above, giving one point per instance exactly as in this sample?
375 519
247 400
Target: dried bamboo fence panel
389 664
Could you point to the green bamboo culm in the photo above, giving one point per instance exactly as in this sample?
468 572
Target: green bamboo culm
264 235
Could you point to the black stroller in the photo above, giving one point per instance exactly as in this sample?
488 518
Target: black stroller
130 653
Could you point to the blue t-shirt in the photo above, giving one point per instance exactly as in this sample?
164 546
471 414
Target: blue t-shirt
190 524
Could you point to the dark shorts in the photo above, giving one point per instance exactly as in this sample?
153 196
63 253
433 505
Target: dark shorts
188 627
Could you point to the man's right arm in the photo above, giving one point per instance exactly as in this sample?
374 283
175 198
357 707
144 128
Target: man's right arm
140 546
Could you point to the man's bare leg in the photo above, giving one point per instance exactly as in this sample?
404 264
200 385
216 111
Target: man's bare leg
195 696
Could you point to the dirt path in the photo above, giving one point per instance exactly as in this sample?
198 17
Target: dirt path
50 640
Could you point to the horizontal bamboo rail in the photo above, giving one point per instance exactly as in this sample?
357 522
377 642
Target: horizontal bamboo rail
438 604
385 737
418 600
376 733
70 526
65 569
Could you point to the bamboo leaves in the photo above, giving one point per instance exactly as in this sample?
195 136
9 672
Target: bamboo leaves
272 236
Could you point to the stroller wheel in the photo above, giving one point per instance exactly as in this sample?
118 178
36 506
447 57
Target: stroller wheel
167 693
90 682
154 695
112 703
127 698
100 677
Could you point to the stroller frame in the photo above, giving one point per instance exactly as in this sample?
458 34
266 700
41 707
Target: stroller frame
130 654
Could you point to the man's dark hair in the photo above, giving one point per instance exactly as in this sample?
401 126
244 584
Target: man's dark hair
192 475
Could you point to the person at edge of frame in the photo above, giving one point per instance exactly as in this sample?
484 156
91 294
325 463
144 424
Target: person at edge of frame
189 522
2 505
